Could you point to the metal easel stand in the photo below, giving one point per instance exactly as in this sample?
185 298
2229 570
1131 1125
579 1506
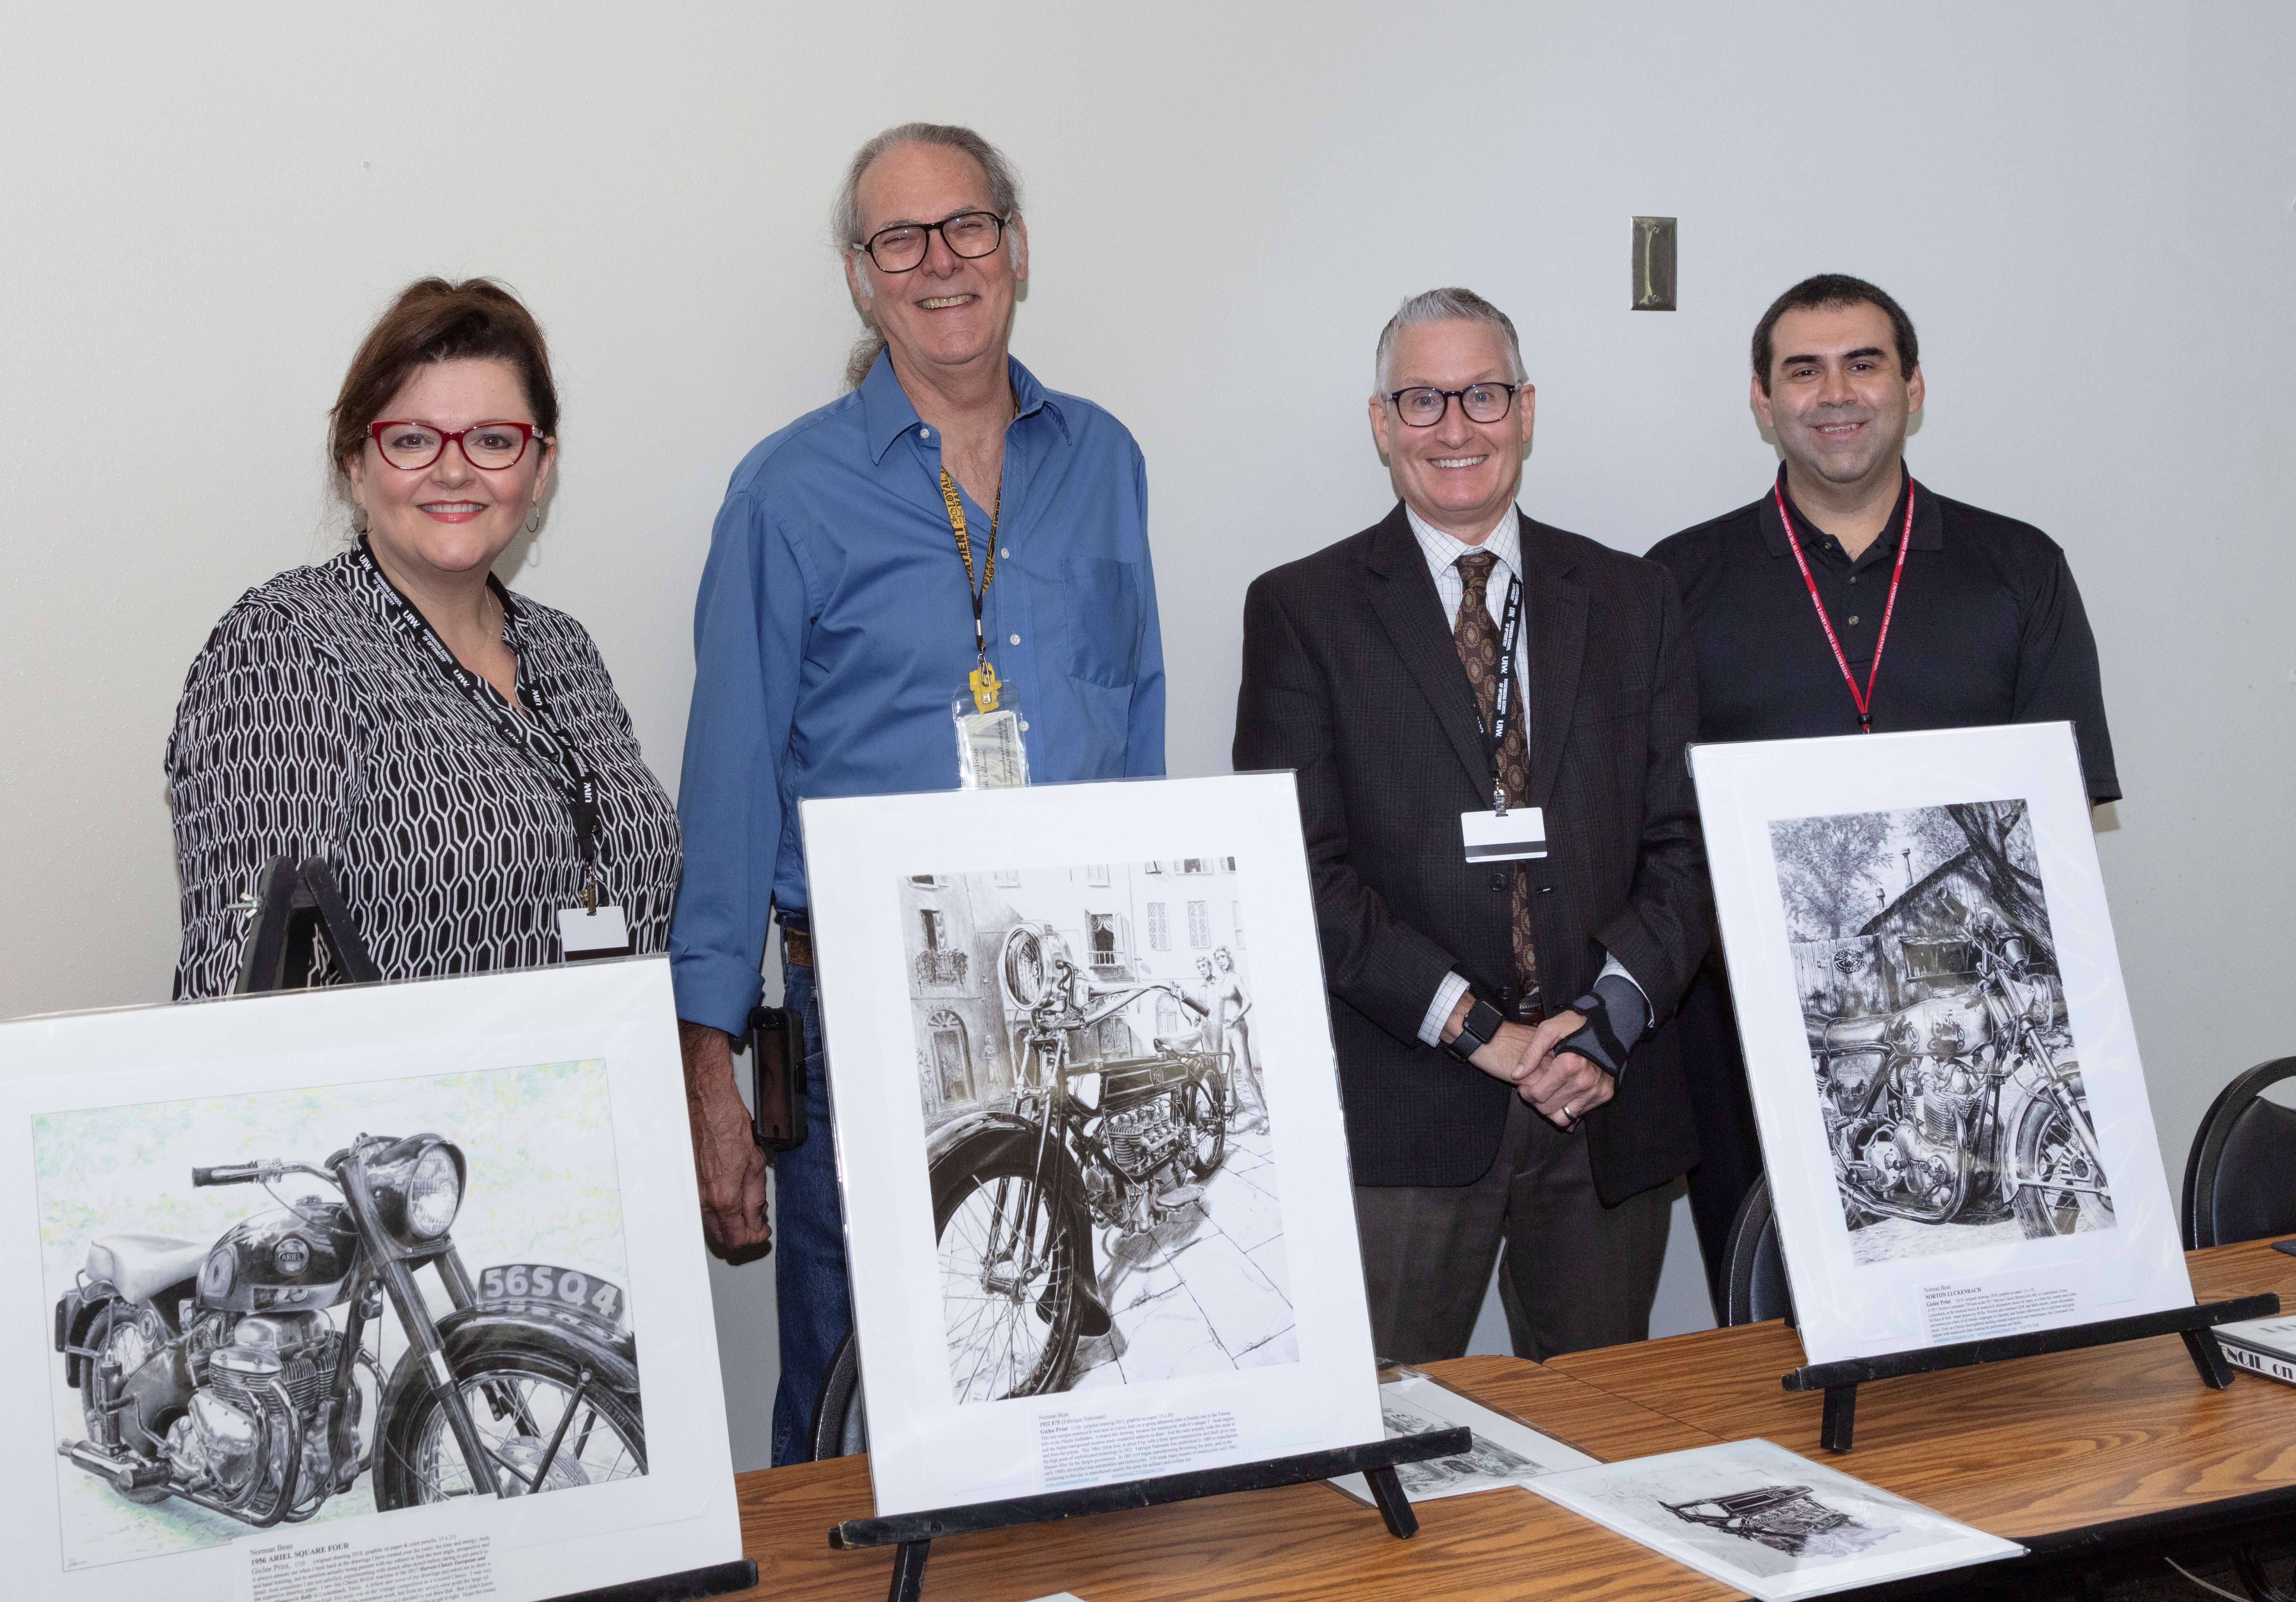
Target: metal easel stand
914 1533
294 902
689 1585
1840 1381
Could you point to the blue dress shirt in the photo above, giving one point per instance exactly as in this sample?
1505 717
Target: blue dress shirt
835 627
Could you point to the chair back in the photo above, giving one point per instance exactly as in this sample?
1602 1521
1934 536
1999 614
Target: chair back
2240 1182
1754 1285
841 1428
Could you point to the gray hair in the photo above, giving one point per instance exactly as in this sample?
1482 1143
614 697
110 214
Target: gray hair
1451 304
845 215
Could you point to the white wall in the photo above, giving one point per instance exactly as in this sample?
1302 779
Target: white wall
2086 207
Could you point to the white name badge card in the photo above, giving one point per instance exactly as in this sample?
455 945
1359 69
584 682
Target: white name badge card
1519 832
586 934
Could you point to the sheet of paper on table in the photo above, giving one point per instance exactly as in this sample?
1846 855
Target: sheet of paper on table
1506 1451
1774 1524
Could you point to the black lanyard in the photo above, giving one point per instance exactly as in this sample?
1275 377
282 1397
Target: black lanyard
1495 735
537 734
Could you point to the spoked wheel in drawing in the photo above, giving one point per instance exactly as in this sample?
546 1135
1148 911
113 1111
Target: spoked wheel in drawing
1011 1299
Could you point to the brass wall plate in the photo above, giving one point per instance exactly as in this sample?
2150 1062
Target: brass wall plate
1653 264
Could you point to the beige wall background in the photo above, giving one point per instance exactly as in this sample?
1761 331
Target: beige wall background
2086 208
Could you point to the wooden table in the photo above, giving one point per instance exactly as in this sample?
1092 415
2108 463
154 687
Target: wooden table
2051 1451
1301 1541
2085 1449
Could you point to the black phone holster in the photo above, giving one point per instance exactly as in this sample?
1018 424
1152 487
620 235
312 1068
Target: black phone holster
775 1042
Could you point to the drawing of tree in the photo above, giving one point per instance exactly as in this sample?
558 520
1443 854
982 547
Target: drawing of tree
1826 870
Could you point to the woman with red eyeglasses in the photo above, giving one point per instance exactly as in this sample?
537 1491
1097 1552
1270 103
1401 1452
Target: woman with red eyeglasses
454 751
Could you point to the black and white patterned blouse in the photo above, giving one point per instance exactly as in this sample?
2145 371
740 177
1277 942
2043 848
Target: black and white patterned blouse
309 728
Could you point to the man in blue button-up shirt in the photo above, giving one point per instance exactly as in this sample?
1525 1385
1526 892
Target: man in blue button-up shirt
835 626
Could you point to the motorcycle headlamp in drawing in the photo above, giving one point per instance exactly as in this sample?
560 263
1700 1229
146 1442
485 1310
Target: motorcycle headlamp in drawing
418 1186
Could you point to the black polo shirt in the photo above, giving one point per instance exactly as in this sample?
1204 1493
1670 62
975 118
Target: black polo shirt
1988 628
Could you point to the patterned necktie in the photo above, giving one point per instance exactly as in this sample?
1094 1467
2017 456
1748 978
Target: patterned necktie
1478 640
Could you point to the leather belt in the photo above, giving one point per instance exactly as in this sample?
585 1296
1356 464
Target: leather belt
797 940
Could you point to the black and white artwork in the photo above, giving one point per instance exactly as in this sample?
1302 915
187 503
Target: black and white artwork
1947 1071
1777 1525
1102 1157
1502 1450
1956 1131
1097 1206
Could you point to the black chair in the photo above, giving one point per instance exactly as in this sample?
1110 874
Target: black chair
1754 1279
841 1429
2240 1182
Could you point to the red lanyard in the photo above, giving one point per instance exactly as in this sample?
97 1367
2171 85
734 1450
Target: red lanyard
1864 699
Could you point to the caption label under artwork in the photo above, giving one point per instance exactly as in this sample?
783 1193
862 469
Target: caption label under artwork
1968 1312
1084 1448
446 1567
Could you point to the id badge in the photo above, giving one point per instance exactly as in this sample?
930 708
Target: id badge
1491 838
586 934
991 754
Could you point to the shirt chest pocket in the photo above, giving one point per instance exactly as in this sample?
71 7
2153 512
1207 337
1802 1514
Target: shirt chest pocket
1101 603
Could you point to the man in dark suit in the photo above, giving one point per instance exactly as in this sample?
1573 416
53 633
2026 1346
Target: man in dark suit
1494 1015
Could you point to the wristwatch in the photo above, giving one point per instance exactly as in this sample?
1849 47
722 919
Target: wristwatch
1476 1031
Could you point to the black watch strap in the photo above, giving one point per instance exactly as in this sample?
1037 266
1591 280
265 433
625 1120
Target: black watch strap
1476 1031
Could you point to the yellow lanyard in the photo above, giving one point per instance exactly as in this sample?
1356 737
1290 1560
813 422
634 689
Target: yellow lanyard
984 685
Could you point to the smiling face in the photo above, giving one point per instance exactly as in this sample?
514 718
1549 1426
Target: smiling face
450 521
1458 474
1839 398
951 311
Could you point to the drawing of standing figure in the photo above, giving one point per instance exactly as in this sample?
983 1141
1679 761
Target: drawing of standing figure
1231 1003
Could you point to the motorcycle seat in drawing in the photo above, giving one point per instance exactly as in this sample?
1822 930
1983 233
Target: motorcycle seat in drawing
142 1265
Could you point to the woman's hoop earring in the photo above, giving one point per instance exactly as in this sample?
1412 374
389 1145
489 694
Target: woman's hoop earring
534 523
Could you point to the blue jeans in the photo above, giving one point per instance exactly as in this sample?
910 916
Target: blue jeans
809 1283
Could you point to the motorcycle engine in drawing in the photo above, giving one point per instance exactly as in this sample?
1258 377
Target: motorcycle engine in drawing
260 1409
1908 1148
1143 1135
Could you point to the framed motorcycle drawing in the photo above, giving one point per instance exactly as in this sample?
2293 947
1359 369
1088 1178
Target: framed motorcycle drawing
1945 1075
337 1287
1087 1113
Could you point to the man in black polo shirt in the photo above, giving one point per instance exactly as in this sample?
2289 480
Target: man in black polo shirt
1850 596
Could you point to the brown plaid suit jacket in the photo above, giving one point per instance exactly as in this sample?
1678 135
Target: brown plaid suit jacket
1350 679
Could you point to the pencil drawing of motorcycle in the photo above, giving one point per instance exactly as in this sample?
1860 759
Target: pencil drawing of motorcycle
216 1374
1121 1143
1965 1107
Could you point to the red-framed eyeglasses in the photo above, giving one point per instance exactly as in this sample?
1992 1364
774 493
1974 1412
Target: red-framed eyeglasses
492 445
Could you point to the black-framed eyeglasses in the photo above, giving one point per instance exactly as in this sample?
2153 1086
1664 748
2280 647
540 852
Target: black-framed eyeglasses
1422 406
901 248
410 447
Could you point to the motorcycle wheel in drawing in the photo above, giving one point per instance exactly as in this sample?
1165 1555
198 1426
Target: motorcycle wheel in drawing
2059 1185
1012 1255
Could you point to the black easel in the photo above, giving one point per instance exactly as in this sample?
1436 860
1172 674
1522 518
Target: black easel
293 903
292 900
1840 1381
915 1533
